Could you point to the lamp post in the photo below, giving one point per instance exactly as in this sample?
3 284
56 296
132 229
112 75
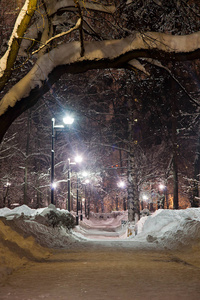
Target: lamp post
86 203
121 184
164 197
68 120
77 200
78 159
52 159
68 185
81 216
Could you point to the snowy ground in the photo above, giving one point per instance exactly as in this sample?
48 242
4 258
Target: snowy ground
23 239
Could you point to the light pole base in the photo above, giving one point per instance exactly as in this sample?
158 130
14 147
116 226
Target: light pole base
76 220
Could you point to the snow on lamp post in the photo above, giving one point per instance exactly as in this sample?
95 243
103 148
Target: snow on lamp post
68 120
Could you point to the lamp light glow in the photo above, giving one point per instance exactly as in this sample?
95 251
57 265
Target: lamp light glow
54 185
121 184
78 159
161 187
68 120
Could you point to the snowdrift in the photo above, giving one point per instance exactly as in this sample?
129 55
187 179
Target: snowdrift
24 237
16 251
170 228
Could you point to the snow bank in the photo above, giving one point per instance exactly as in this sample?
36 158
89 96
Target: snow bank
170 228
15 250
23 238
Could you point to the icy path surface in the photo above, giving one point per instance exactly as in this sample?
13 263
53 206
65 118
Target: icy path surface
95 273
97 261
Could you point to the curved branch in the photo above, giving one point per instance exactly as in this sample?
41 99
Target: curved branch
98 54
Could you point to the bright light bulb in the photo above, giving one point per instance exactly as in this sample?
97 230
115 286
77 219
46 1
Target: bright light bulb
85 174
78 159
161 186
68 120
121 184
54 185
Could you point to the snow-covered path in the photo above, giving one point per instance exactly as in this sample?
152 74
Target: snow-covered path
96 273
97 260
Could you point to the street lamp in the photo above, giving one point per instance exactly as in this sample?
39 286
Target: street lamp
78 159
163 198
87 181
68 184
68 120
121 184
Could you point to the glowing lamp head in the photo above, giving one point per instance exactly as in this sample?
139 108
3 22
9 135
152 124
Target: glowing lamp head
121 184
161 187
68 120
78 159
54 185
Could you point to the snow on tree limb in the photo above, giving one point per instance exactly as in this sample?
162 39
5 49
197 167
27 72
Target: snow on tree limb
135 64
58 36
101 54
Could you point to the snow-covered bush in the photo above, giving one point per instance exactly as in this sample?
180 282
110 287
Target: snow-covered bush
60 219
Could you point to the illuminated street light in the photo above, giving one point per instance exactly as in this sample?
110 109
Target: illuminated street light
85 174
78 159
54 185
144 197
68 184
161 187
121 184
164 197
67 121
